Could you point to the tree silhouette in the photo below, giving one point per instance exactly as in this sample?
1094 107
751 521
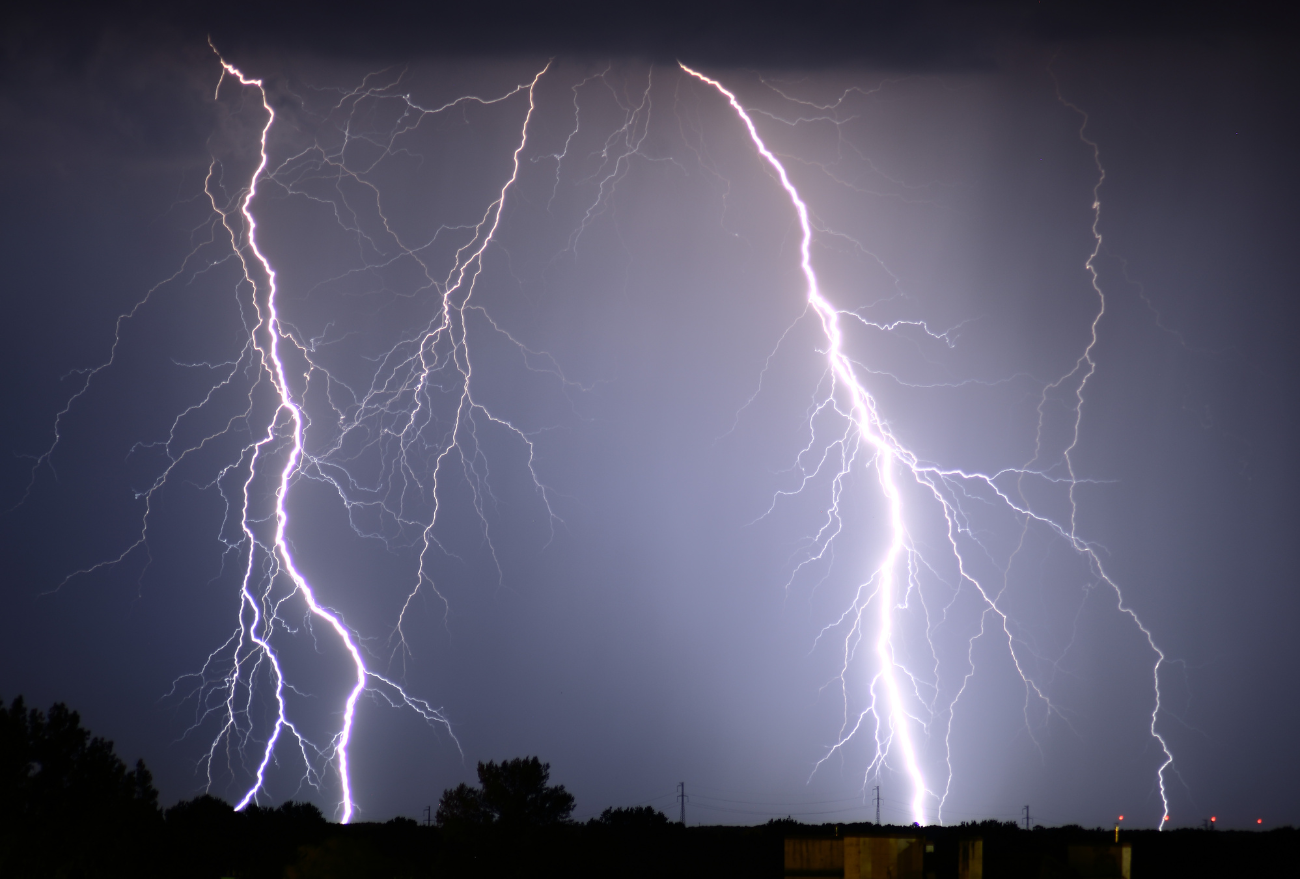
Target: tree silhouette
462 805
68 805
513 793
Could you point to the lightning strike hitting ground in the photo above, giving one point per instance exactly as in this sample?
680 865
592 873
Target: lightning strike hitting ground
261 605
396 415
897 717
406 372
388 446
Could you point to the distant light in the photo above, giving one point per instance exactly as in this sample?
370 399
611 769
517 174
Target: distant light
1166 817
1121 817
1211 818
1259 820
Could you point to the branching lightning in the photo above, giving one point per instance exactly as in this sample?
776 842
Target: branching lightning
260 607
898 709
388 447
405 376
420 416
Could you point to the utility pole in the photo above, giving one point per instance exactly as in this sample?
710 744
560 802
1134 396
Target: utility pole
681 797
428 815
1026 817
877 805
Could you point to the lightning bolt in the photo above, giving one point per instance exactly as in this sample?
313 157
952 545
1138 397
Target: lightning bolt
418 419
896 694
407 373
268 337
420 416
1084 369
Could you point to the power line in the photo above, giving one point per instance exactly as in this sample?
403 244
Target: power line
768 813
780 802
743 793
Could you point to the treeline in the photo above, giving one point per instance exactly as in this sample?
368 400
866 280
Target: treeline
70 809
67 803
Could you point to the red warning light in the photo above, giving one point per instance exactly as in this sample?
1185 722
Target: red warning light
1259 820
1212 818
1121 817
1166 817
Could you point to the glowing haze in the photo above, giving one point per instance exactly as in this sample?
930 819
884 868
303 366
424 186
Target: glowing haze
893 721
784 434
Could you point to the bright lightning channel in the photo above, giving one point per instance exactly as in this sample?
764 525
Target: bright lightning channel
407 374
420 419
395 416
849 397
269 349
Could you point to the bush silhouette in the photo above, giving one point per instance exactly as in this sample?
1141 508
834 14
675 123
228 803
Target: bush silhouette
513 793
632 818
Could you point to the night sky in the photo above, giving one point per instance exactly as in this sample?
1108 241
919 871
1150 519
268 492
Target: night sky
649 556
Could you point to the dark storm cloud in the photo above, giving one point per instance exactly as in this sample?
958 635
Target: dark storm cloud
938 33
